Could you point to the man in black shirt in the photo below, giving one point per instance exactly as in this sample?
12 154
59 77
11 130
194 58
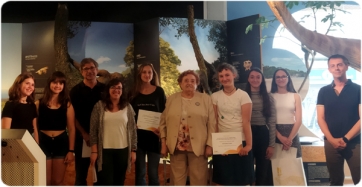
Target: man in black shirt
84 96
338 110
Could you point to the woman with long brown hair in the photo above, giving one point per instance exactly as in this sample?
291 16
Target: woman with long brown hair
55 117
20 111
147 95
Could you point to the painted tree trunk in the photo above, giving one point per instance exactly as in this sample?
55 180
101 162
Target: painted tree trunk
198 55
61 49
323 44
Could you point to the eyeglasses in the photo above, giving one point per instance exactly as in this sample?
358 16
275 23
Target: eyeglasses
116 88
281 77
91 68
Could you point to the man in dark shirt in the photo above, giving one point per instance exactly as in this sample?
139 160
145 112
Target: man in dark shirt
338 110
84 96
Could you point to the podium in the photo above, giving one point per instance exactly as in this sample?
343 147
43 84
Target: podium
23 163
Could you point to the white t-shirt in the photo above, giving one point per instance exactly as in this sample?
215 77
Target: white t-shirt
115 129
229 110
285 107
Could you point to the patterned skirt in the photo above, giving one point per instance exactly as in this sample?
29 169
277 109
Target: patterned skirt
285 130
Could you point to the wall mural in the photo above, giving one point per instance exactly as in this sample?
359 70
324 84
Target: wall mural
176 52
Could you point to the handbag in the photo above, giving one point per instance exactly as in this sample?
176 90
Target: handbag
286 168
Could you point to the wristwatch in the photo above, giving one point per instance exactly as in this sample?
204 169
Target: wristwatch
345 139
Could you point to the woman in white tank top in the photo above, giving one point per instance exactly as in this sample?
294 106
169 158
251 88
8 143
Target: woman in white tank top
288 111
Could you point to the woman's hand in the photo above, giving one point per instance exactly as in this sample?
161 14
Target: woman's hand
285 141
208 151
93 158
69 158
157 132
245 150
164 150
133 157
269 152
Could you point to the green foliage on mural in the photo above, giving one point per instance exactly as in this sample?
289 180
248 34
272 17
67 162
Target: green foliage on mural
168 64
168 68
268 72
217 33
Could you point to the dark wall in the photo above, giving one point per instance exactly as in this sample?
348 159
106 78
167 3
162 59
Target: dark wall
125 12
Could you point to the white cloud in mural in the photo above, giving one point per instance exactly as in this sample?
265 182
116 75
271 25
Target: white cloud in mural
122 66
103 59
281 59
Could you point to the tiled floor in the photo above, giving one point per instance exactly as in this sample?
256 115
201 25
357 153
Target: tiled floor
69 177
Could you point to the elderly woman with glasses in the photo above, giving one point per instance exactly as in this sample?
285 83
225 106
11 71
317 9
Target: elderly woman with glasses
185 129
288 111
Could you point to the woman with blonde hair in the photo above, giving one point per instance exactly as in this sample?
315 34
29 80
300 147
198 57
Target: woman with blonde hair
147 95
20 111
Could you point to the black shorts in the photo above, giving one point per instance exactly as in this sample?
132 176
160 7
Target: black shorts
54 147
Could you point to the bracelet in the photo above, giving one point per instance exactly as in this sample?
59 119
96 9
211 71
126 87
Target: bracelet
345 139
94 152
72 151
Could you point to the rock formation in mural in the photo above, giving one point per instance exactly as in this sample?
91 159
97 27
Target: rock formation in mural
323 44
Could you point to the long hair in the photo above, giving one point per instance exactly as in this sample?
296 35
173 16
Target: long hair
123 102
138 81
262 92
63 97
274 86
14 90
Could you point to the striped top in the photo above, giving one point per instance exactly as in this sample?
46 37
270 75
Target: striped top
257 116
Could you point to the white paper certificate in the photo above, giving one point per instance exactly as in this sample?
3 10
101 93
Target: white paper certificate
226 143
148 120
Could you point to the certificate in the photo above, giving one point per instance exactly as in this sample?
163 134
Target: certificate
148 120
86 151
226 143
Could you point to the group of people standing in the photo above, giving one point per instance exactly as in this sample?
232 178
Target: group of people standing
104 118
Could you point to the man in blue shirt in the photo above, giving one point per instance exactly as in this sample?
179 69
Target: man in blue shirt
338 110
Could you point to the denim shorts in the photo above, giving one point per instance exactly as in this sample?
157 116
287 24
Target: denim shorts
54 147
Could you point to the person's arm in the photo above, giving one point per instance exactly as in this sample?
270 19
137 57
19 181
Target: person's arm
163 129
84 134
216 118
71 133
298 117
93 133
272 128
246 116
211 124
6 122
356 129
35 127
6 116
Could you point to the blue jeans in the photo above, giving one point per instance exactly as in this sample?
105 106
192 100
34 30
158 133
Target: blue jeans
152 169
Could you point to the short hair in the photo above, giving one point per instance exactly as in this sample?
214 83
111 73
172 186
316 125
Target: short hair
188 72
14 90
345 60
87 61
227 66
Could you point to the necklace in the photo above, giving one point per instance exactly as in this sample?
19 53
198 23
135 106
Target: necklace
230 91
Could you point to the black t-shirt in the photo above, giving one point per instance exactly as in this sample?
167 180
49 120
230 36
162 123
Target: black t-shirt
22 115
83 100
341 112
52 119
147 140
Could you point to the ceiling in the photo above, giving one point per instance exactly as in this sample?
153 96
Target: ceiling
96 11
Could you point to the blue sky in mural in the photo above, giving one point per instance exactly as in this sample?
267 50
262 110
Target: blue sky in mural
183 48
279 51
104 42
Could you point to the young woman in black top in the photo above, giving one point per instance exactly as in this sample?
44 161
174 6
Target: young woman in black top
147 95
55 115
20 112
